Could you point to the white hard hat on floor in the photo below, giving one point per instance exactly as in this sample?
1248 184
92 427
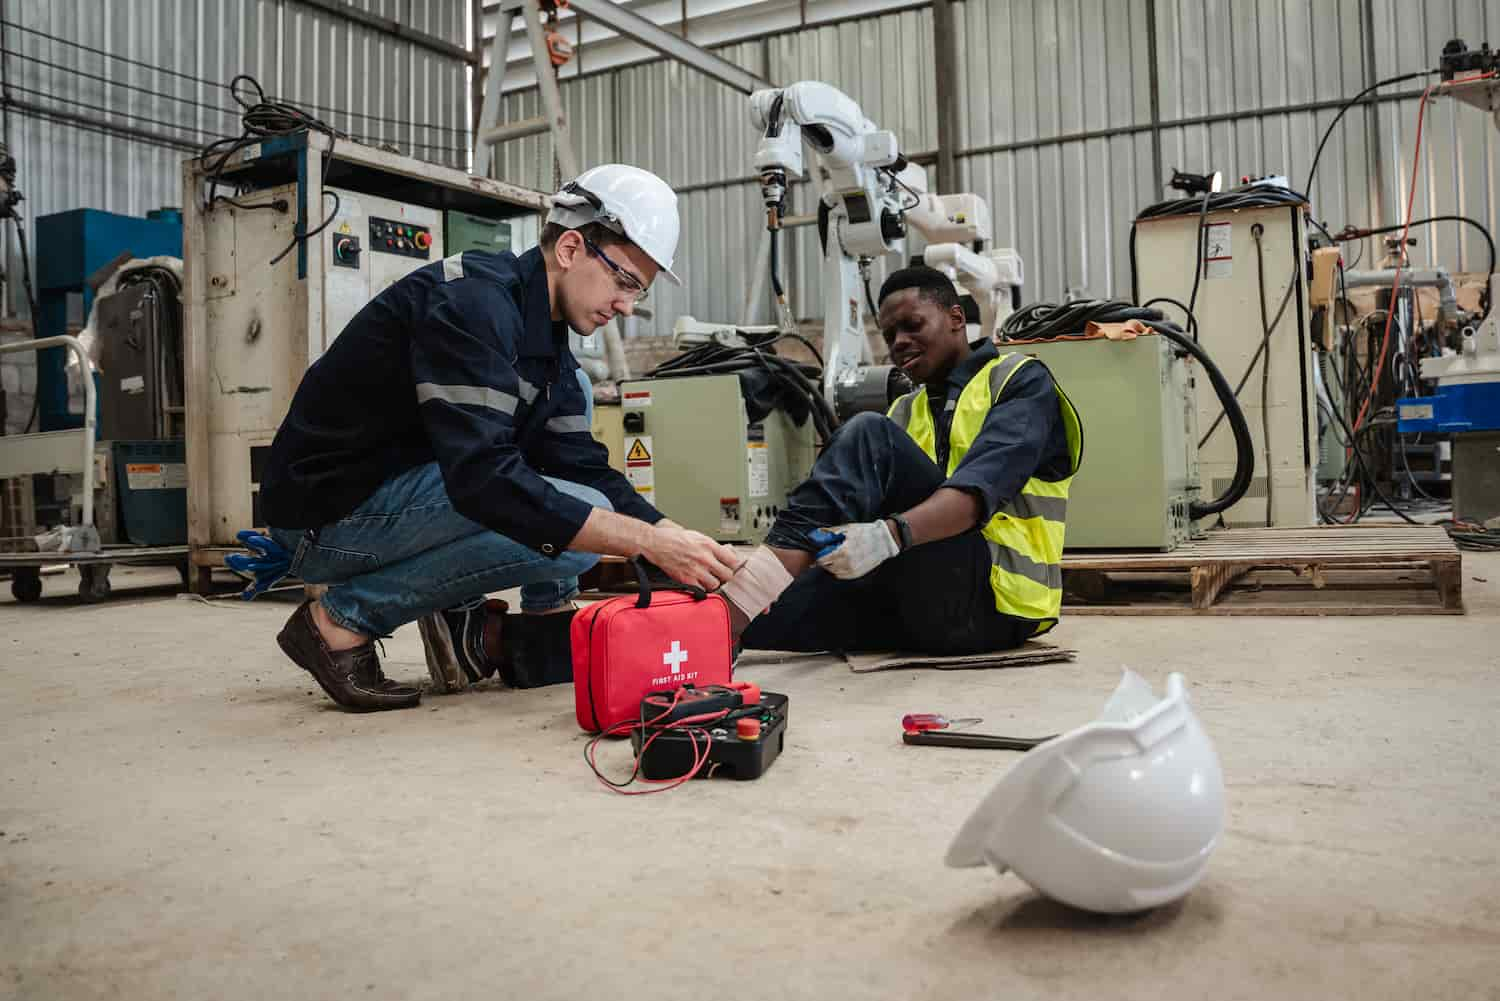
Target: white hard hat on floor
1116 816
633 202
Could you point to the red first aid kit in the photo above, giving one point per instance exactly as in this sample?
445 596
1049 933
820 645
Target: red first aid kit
626 647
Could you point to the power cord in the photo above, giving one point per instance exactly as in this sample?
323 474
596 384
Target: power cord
266 119
1318 155
696 728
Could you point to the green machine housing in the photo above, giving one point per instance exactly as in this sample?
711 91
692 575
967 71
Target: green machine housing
1140 440
464 231
691 450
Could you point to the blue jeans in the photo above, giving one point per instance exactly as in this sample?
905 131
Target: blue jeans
405 552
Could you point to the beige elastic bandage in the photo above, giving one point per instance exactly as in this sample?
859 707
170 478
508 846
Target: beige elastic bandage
757 583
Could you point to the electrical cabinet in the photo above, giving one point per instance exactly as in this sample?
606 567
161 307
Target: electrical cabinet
690 449
252 327
1247 253
1139 474
253 304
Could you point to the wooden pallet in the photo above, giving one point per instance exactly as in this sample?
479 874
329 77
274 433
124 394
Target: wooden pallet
1355 570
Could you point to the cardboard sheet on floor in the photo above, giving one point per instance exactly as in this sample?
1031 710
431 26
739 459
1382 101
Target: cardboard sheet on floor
1028 653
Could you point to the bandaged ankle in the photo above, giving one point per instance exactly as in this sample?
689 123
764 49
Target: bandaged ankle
757 583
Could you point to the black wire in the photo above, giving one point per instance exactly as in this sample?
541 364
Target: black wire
456 130
94 106
1317 156
101 128
1200 250
115 84
263 119
1265 363
1250 368
722 359
1260 195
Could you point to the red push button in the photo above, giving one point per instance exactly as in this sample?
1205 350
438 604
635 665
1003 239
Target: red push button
747 729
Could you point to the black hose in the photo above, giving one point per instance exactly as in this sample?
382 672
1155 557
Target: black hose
776 266
1049 321
1244 445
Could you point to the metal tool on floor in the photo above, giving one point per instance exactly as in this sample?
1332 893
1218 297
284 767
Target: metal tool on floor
936 730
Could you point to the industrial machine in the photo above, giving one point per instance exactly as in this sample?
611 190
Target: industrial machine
74 250
1139 478
692 449
466 231
264 301
1465 401
1252 317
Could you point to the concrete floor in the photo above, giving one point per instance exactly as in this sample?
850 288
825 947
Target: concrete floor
183 816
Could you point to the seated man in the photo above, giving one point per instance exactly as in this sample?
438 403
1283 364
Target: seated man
440 450
951 508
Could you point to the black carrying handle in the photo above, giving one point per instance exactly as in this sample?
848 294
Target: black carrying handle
643 579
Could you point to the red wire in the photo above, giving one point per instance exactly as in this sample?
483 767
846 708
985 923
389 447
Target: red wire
691 724
1385 340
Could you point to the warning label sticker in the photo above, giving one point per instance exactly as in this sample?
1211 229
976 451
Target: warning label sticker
635 398
760 468
1218 253
156 475
640 468
729 514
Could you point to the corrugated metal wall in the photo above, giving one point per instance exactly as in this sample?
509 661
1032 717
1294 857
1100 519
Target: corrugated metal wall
161 66
1057 125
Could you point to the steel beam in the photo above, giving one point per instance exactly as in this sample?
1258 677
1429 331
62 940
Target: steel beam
945 71
338 8
631 25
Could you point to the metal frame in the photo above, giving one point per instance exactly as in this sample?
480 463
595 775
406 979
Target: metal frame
49 451
624 22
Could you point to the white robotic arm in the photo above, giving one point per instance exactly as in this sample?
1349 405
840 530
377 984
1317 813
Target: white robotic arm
860 171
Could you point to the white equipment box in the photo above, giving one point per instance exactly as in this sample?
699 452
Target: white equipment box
1230 330
253 305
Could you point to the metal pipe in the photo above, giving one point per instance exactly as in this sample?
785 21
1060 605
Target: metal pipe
514 130
1437 278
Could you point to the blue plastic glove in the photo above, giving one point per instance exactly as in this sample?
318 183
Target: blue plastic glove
269 565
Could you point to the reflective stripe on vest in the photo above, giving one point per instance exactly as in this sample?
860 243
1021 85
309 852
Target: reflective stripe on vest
1026 535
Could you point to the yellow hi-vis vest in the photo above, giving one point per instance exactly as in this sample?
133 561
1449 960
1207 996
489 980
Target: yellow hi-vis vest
1026 534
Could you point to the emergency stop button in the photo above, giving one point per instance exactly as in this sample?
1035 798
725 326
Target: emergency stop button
423 240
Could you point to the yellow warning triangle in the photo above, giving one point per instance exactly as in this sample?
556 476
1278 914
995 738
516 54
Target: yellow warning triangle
638 452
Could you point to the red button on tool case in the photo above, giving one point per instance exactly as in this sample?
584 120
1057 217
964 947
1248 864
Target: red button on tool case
625 647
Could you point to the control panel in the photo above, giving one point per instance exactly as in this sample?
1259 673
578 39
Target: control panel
390 236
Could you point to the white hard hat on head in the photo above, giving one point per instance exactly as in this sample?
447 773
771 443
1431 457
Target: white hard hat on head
633 202
1116 816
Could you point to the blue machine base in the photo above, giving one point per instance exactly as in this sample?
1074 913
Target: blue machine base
1473 406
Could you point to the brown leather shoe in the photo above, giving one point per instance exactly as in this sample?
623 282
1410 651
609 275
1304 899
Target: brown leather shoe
352 678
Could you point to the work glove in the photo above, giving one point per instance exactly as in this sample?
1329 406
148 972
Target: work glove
850 551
